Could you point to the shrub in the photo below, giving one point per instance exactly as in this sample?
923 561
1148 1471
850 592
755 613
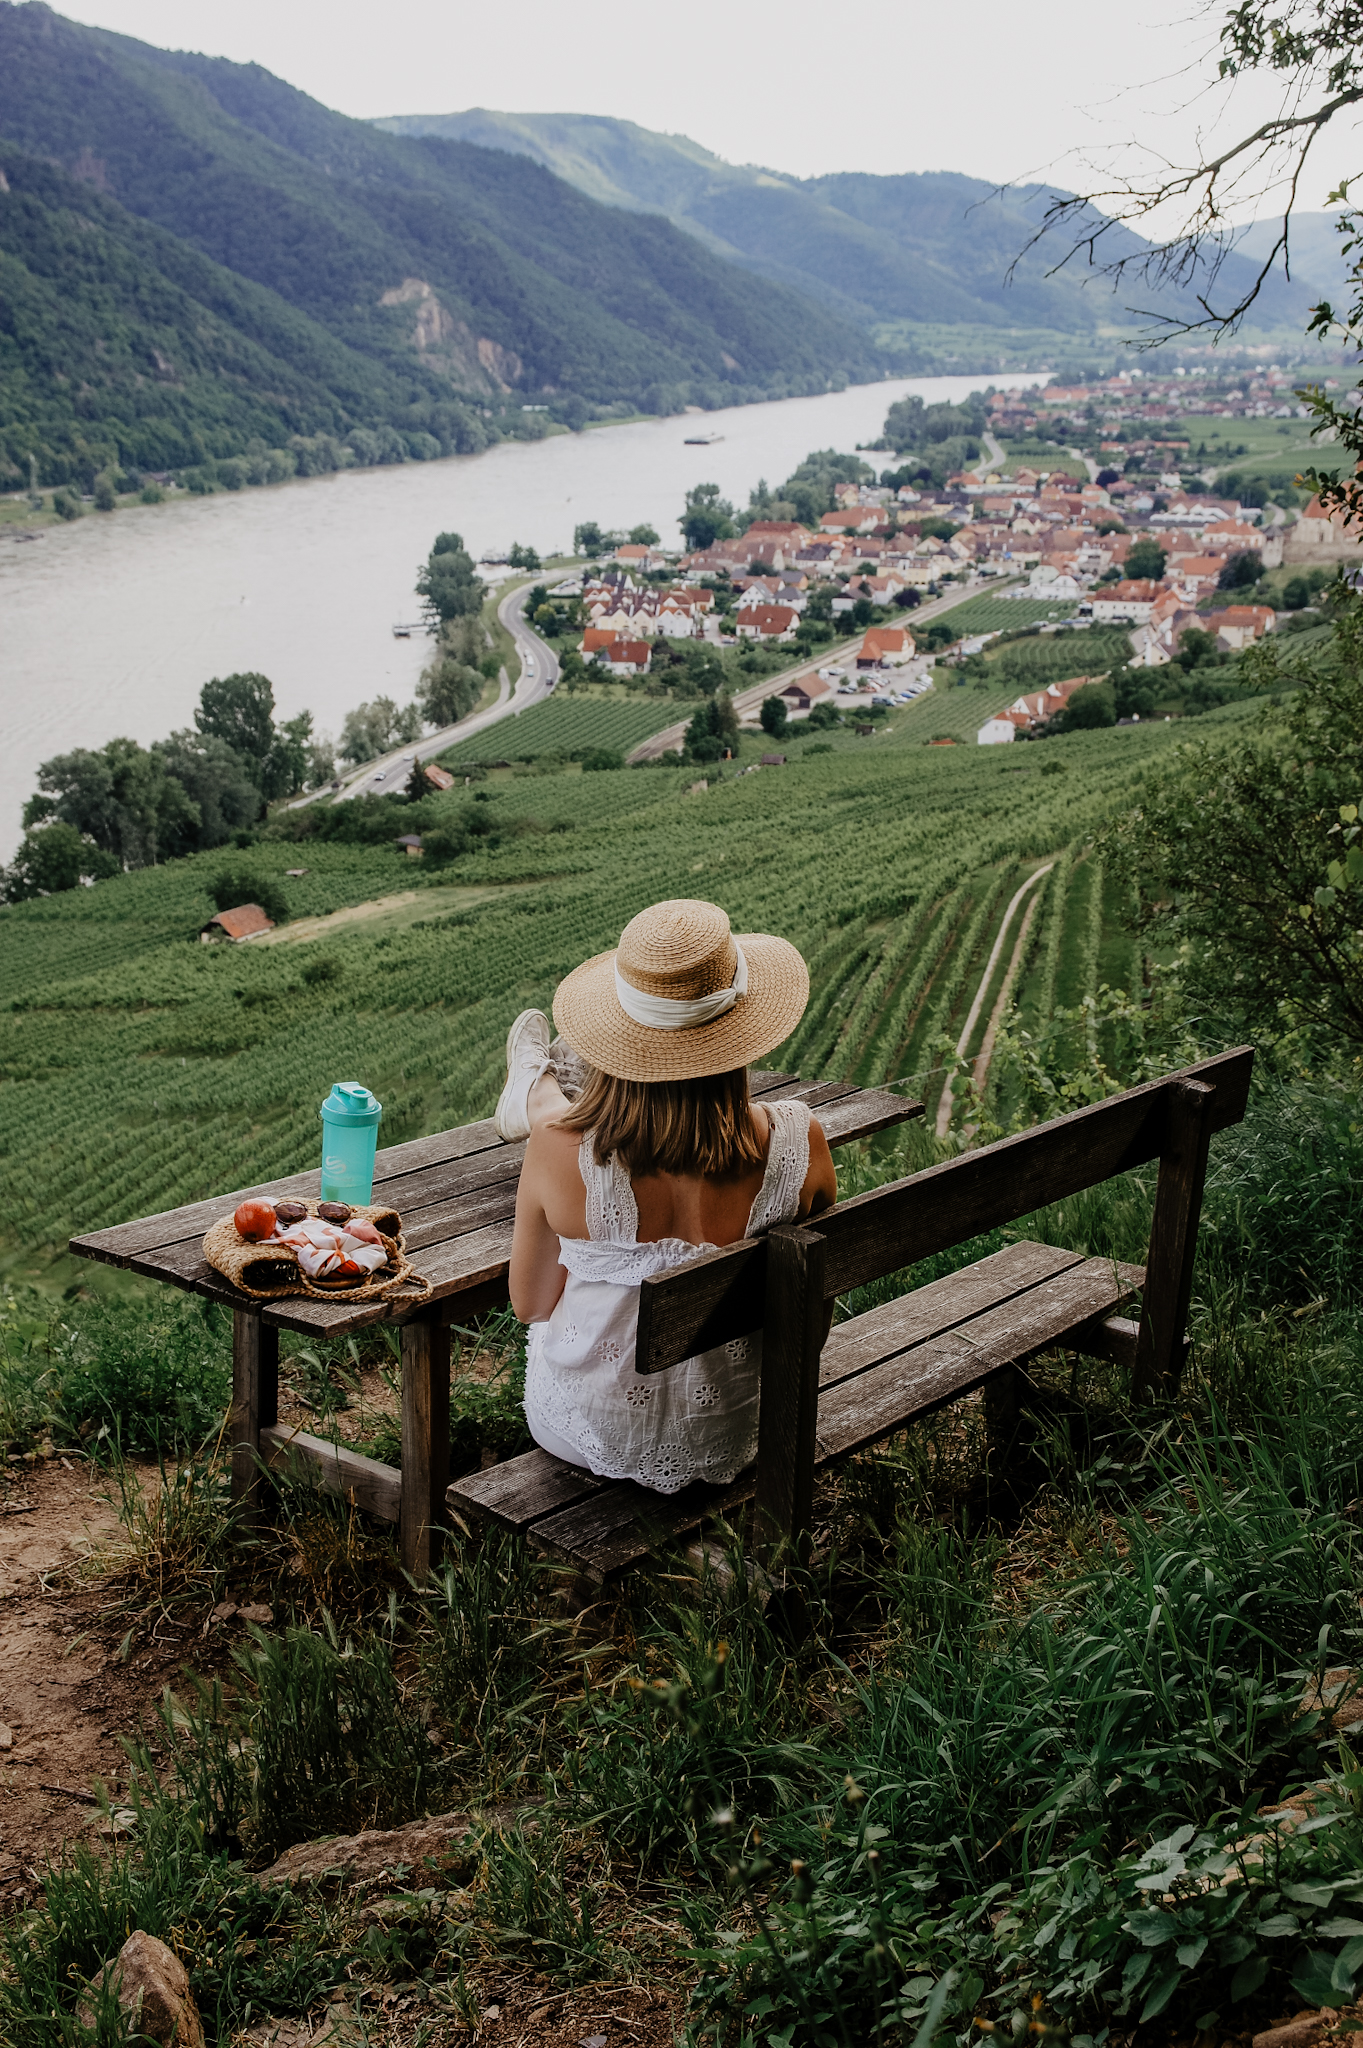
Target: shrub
597 759
232 887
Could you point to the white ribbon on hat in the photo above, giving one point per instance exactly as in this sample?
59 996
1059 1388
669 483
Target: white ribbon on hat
674 1013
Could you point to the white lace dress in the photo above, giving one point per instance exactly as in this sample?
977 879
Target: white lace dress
583 1399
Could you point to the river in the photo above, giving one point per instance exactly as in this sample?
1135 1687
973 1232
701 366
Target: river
111 625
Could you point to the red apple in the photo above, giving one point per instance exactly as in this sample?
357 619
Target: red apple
255 1218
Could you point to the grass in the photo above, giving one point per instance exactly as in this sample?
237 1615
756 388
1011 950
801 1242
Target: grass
1038 1690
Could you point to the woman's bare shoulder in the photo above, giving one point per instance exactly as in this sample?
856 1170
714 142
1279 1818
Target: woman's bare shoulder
551 1151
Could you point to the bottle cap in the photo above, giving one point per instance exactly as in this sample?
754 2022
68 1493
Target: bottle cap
349 1103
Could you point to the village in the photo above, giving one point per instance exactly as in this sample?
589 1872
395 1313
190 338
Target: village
1142 543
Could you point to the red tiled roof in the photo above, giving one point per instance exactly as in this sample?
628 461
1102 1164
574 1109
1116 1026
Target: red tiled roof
242 923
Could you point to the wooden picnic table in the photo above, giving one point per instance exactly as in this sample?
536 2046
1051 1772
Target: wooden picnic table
456 1194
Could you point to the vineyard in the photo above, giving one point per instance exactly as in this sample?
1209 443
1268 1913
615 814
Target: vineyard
1004 614
568 726
142 1070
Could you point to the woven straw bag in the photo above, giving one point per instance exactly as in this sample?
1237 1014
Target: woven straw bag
270 1271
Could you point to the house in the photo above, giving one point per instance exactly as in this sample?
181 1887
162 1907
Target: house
773 761
886 646
766 622
1125 601
996 732
439 778
804 692
625 657
1322 536
778 529
1240 625
859 519
247 921
410 844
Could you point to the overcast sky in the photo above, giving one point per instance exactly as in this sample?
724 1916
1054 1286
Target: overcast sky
1002 92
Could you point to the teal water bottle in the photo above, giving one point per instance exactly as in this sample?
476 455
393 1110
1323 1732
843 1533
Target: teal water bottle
350 1131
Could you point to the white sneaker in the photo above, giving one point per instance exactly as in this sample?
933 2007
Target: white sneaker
527 1056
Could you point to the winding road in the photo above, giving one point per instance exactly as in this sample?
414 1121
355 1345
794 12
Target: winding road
539 673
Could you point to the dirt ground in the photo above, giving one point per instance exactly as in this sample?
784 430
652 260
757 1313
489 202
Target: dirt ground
65 1696
66 1700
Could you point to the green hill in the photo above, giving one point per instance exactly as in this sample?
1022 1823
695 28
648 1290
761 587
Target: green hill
930 247
172 223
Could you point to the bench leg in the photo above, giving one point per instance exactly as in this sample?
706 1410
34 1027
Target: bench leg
1002 1397
425 1441
1173 1239
255 1406
792 1340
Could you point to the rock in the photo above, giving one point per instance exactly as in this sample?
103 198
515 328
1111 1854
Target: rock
1327 1693
1298 2033
444 1840
151 1986
6 1737
263 1615
224 1610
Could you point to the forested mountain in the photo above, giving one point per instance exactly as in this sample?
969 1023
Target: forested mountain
930 246
193 254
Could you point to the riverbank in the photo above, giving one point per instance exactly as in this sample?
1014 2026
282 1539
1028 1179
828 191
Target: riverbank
304 584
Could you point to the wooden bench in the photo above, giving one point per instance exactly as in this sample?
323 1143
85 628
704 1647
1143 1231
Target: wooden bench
456 1192
882 1370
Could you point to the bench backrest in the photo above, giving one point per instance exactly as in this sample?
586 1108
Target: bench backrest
721 1295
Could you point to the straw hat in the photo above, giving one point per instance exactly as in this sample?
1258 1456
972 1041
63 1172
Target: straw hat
681 997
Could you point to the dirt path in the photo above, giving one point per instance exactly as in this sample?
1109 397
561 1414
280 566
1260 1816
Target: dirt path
65 1696
944 1104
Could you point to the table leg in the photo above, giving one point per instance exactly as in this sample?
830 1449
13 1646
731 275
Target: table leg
425 1441
255 1406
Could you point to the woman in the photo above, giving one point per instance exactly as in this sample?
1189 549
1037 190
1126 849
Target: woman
661 1155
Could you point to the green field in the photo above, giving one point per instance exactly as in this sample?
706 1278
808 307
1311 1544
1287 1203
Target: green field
568 726
1004 614
141 1070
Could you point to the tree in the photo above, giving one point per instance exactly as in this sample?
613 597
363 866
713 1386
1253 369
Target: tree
1231 852
52 858
588 539
239 710
644 536
418 788
523 558
121 797
448 691
234 886
597 759
1145 560
376 728
1241 572
448 584
707 517
1092 706
775 717
285 767
217 781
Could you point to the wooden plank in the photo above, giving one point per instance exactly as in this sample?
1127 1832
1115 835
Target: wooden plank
368 1484
881 1333
1173 1239
115 1245
614 1528
255 1404
718 1296
862 1115
792 1337
521 1490
425 1441
424 1175
870 1405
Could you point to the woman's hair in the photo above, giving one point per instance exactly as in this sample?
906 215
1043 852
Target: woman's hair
703 1126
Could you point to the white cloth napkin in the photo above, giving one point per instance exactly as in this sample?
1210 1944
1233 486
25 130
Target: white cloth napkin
324 1248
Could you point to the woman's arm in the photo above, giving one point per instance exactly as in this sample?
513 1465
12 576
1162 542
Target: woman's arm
536 1277
820 1190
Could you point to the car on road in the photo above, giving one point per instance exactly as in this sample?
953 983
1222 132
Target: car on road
381 776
